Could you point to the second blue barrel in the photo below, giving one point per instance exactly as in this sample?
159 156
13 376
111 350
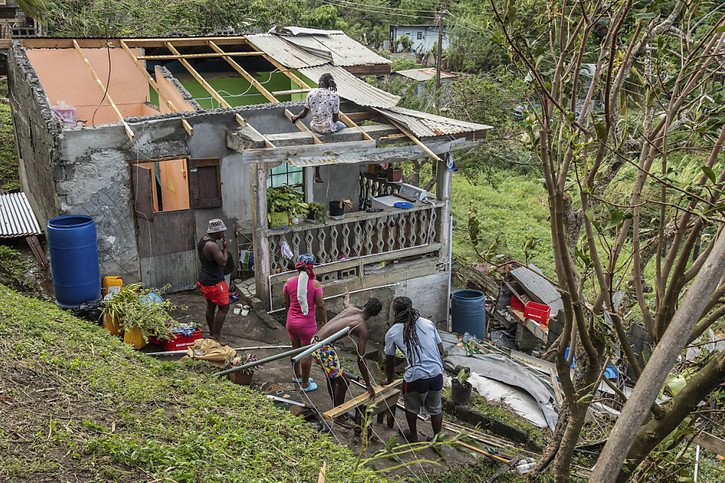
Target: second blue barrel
74 260
468 312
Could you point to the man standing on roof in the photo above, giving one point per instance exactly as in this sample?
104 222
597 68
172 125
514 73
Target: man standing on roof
213 255
324 103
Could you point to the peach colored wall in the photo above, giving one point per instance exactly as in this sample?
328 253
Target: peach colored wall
168 91
65 77
174 178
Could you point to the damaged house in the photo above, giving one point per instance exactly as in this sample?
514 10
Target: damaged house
153 137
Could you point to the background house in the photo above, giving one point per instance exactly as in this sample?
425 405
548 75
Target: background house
423 37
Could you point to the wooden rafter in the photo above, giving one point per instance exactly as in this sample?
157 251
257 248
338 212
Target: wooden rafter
262 90
104 90
199 56
214 93
415 139
155 86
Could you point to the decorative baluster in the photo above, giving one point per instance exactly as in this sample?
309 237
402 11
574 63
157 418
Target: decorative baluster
403 231
334 243
380 225
392 229
295 245
274 255
424 227
432 235
346 240
414 228
310 241
359 241
368 236
322 252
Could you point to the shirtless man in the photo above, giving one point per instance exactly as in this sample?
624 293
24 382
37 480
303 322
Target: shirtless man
326 356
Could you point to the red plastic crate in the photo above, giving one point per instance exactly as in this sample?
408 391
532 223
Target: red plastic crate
537 312
178 342
516 304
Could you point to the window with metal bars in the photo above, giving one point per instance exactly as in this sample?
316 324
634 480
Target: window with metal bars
285 174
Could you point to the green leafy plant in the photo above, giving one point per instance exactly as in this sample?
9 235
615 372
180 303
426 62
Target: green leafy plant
316 212
136 307
344 203
285 199
463 376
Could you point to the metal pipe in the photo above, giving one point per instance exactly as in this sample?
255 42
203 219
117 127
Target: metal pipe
263 361
367 289
312 348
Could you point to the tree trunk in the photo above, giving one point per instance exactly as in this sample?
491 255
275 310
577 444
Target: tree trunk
663 358
563 458
649 435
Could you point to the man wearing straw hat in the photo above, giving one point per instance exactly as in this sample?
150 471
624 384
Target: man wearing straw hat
213 255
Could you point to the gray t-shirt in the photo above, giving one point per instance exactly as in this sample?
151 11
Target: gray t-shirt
427 361
323 104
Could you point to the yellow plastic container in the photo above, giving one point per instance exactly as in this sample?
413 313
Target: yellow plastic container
134 337
110 281
111 324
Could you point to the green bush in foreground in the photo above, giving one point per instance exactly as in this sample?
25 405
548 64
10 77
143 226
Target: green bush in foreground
80 404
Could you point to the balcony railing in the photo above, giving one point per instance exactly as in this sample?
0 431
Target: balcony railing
358 234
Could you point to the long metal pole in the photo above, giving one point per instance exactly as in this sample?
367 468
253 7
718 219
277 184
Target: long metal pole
275 357
312 348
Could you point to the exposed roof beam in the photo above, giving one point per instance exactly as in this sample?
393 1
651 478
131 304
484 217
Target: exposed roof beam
104 90
214 93
227 56
155 86
415 139
200 56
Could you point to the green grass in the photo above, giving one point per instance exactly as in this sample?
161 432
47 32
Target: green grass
14 270
512 208
78 404
9 178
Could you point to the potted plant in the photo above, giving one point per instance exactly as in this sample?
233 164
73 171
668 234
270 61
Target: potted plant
316 212
337 208
283 203
245 376
461 388
141 313
395 174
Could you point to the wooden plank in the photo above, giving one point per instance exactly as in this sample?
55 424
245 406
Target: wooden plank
255 83
103 89
200 56
199 78
376 131
415 139
290 91
38 253
186 41
155 86
381 393
710 442
302 127
284 153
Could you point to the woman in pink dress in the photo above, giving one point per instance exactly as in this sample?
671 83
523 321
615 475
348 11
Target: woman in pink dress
302 295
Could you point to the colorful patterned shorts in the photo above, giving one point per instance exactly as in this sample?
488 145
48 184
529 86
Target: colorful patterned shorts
327 358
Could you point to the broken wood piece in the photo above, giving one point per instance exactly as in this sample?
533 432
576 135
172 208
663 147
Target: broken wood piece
415 139
323 473
381 394
710 442
482 452
38 252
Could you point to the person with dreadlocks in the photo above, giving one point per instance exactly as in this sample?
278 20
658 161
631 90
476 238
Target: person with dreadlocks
302 295
324 104
420 343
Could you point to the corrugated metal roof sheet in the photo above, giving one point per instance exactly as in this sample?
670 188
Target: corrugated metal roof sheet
351 88
537 286
344 50
16 216
286 53
425 74
429 125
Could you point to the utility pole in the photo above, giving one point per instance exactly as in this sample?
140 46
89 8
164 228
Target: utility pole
439 19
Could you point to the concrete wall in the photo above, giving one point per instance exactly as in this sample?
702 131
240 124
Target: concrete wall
338 183
36 130
65 77
172 90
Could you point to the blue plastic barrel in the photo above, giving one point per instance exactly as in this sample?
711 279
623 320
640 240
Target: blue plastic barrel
74 260
468 312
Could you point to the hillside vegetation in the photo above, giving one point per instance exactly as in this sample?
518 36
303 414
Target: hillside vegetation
77 404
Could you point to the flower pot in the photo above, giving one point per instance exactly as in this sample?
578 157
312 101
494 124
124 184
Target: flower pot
241 377
111 324
278 219
460 393
134 337
395 175
337 209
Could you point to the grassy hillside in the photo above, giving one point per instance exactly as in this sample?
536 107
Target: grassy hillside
8 156
511 207
79 405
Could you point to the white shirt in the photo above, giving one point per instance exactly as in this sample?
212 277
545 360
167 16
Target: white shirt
426 362
323 104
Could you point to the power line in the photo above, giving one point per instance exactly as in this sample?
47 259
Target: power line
391 9
372 11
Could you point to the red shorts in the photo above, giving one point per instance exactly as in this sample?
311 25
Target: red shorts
217 294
